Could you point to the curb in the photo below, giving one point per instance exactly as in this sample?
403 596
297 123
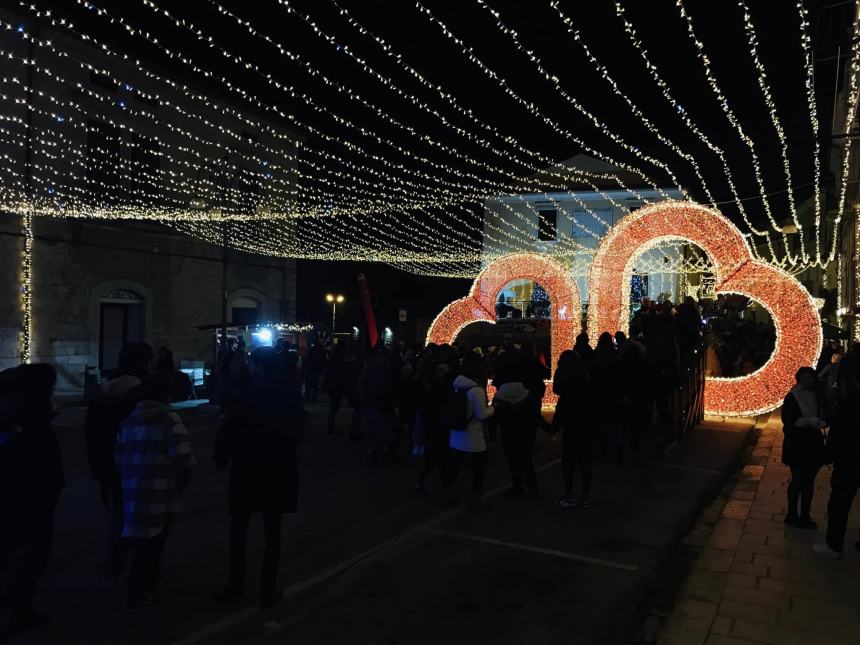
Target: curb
705 552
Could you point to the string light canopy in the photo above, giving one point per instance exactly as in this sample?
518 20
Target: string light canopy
359 191
795 316
336 170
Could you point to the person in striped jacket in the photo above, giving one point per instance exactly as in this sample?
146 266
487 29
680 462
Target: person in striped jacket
155 462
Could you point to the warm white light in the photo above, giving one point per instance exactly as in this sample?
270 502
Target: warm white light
798 327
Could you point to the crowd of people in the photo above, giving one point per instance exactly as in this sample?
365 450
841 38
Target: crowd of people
738 342
141 457
444 404
821 416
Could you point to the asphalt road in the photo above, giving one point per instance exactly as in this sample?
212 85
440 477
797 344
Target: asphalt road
366 561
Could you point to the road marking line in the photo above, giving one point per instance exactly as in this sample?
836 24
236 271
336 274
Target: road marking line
710 471
538 549
293 589
219 625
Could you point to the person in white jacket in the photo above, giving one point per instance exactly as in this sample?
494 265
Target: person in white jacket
470 440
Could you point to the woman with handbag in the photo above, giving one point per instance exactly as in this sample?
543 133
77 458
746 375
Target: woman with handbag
804 449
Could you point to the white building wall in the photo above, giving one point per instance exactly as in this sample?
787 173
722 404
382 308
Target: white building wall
511 225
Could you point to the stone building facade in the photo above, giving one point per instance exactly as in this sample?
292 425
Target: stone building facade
94 281
100 148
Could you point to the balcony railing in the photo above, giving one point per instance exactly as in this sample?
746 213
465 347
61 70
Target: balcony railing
519 309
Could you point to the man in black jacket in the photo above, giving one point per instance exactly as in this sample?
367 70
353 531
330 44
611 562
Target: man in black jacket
844 444
31 478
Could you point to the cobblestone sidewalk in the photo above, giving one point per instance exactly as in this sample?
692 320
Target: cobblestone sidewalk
759 581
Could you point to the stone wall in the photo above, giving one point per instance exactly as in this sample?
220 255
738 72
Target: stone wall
75 263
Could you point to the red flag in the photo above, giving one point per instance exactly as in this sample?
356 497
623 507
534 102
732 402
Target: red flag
372 333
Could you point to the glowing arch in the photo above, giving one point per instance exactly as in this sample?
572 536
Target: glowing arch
565 301
798 328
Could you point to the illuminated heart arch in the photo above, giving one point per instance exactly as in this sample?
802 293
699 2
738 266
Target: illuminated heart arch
565 301
798 328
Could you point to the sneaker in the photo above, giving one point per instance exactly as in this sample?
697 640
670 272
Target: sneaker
565 502
806 523
584 503
418 488
791 520
420 451
825 550
269 599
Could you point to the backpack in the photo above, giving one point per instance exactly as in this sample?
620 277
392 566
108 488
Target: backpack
456 412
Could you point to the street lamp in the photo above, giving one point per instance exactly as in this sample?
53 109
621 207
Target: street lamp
335 300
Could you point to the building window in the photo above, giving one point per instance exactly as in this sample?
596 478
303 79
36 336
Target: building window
144 180
104 160
547 225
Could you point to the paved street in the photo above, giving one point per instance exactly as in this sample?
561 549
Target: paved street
759 581
366 561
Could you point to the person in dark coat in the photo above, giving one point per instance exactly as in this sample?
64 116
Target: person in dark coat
340 383
435 385
376 390
803 450
636 388
107 410
665 363
605 371
532 374
258 441
583 348
182 388
575 416
688 325
844 450
516 425
31 480
313 364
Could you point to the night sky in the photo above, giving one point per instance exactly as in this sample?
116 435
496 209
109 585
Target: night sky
659 25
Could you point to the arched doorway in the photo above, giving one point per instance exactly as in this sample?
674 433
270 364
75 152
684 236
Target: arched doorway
121 321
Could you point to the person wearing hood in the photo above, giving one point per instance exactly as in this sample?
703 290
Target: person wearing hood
515 418
106 411
468 434
803 450
31 478
155 463
258 441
